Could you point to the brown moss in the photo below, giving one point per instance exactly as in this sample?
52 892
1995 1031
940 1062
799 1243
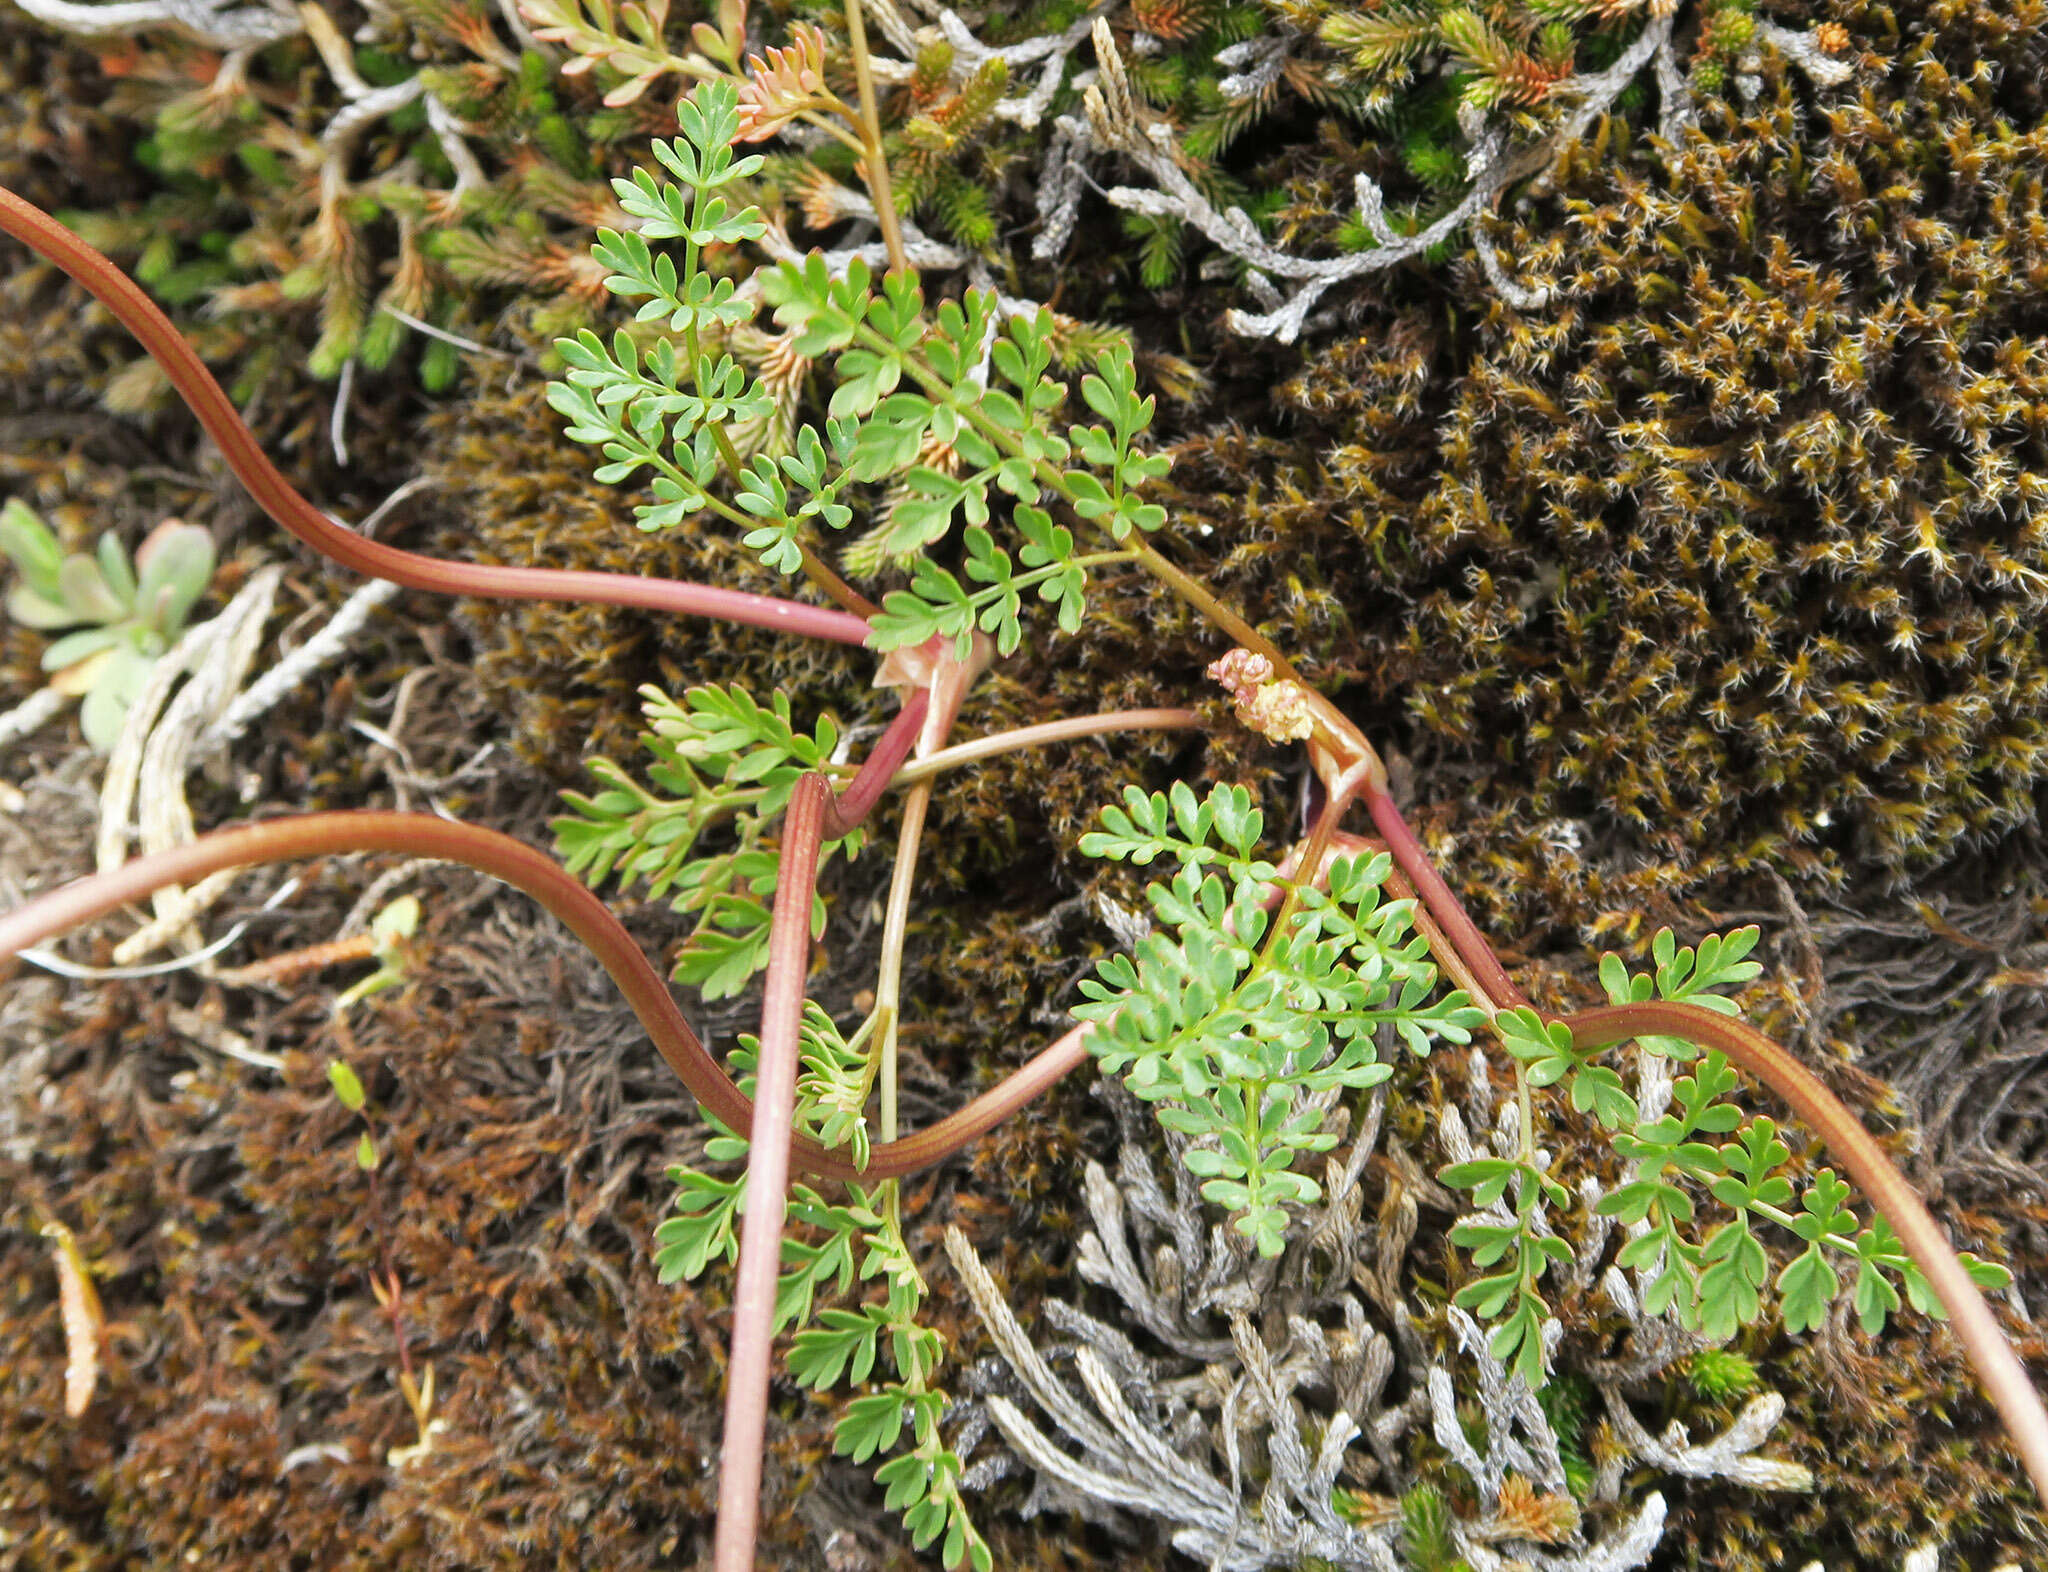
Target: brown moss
1717 549
512 488
235 1237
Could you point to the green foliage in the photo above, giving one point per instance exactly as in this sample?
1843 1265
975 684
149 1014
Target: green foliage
1510 1296
1567 1401
1239 1033
348 1088
1427 1542
123 615
941 158
951 409
391 932
720 761
834 1077
1684 975
1715 1284
1720 1375
348 1091
1500 53
829 1247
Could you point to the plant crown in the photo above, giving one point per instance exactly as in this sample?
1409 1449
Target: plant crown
122 614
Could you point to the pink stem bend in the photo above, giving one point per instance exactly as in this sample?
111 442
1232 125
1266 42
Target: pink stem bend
1998 1367
583 913
277 497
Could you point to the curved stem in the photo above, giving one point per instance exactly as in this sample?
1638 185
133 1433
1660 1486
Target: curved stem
2005 1379
277 497
847 811
1048 731
586 916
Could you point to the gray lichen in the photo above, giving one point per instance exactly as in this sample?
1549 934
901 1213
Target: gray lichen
1287 1404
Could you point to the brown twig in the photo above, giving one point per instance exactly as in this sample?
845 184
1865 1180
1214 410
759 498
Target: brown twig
296 963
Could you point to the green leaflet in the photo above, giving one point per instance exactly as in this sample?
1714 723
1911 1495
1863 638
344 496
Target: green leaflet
1236 1034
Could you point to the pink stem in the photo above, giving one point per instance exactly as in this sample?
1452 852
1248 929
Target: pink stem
962 753
519 865
1998 1367
1444 906
753 1304
853 805
277 497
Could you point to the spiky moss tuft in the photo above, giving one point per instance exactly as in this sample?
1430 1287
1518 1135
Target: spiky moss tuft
279 273
1737 548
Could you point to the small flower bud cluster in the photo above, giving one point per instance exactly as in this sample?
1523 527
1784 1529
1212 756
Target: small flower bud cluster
1278 710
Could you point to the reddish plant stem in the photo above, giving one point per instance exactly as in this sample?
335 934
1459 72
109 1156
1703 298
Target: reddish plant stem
586 916
753 1304
812 815
1448 956
1442 905
1309 860
196 385
851 807
2005 1379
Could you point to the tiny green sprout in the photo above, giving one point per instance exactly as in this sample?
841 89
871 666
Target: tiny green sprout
347 1087
122 615
391 931
1427 1543
348 1091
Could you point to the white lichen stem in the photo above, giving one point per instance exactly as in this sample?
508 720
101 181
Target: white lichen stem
32 714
